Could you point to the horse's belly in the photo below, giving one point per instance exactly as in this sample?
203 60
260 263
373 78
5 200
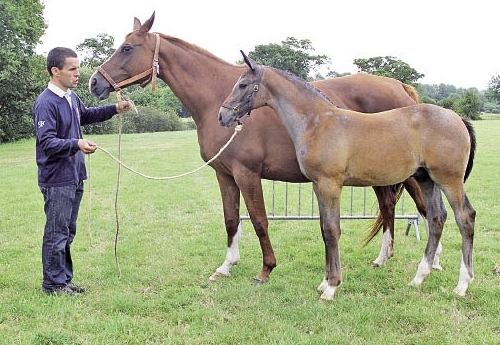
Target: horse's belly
384 171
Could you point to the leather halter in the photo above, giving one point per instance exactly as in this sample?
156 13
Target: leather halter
152 72
249 101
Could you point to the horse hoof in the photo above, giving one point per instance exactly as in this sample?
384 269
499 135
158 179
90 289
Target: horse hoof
217 275
258 281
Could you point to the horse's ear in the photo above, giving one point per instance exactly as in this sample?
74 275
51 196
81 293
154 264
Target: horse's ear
137 24
250 63
144 29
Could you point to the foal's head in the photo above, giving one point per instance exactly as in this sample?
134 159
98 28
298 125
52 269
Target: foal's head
243 98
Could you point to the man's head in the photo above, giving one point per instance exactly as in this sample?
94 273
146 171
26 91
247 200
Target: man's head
63 67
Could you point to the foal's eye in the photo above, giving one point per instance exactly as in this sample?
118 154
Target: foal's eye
242 86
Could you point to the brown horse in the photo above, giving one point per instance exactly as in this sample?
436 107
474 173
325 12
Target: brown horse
337 147
263 150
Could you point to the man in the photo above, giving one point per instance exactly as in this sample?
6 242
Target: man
57 115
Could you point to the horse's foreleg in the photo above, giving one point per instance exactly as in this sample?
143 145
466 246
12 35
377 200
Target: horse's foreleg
251 189
231 205
436 217
328 195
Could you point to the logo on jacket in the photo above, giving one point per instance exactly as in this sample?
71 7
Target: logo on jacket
40 124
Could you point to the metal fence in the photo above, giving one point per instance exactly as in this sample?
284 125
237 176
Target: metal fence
297 201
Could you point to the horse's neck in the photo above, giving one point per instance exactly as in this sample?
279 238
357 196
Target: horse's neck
297 103
199 80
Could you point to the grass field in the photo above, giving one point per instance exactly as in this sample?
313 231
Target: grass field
172 238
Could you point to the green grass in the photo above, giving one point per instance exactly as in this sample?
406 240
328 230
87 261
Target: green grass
172 238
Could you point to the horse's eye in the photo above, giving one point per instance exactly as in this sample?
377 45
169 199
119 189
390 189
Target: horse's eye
242 86
126 48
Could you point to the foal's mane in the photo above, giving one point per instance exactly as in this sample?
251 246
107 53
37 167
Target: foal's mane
295 79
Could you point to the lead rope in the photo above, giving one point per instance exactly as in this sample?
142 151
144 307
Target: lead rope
119 97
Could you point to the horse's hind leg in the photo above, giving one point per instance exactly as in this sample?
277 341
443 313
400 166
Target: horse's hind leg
436 217
413 189
386 197
465 216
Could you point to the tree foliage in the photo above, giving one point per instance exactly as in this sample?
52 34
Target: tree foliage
493 91
388 66
22 26
95 51
293 55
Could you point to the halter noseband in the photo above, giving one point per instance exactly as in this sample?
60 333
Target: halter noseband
152 72
236 108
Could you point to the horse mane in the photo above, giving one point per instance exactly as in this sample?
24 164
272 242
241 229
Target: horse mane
192 47
294 78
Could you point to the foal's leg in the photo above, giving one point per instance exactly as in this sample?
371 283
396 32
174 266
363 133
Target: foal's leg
231 205
436 217
328 195
413 189
465 216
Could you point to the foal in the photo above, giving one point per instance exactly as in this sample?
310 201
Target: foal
337 147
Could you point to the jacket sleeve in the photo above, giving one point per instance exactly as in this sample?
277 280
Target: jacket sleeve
45 121
95 114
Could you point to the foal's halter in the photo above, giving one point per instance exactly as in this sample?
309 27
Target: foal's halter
152 72
249 101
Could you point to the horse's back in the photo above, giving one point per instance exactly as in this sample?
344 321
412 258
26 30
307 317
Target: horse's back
368 93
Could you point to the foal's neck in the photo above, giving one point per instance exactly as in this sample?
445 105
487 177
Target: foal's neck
298 104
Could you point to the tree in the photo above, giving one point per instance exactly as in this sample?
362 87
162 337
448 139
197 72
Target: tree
493 90
292 55
95 51
22 26
388 66
469 105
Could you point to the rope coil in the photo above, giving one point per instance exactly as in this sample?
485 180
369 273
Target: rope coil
119 97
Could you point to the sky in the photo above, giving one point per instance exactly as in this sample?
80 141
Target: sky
451 42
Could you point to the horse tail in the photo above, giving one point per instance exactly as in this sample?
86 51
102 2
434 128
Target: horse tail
472 136
412 92
378 222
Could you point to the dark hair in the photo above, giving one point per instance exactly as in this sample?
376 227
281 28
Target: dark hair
57 57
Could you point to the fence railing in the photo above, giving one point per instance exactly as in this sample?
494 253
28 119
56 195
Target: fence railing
297 201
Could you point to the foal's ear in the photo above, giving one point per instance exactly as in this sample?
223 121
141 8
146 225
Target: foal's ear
250 63
143 29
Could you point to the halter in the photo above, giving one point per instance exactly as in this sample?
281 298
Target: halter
152 72
236 108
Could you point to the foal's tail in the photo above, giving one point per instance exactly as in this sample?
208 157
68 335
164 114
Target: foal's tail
472 153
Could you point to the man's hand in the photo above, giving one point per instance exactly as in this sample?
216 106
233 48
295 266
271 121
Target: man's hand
87 146
124 106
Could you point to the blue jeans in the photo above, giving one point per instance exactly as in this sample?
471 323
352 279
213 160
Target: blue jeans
61 212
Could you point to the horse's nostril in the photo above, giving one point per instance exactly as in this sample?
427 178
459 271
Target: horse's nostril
94 82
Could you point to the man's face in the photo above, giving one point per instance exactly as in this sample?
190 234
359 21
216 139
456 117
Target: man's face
67 77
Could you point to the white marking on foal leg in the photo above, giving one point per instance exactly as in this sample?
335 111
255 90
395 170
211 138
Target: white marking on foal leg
463 280
386 250
232 257
327 290
435 264
423 272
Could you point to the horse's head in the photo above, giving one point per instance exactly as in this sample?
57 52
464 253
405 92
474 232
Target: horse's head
243 98
134 62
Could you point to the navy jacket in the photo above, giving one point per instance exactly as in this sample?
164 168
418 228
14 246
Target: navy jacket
57 127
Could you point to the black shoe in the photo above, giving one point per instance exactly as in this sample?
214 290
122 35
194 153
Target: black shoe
60 291
75 288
